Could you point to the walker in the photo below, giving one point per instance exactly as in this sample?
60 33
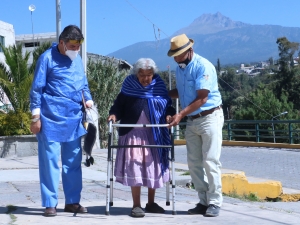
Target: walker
109 181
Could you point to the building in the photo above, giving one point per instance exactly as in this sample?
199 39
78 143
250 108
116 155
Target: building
7 37
245 69
30 41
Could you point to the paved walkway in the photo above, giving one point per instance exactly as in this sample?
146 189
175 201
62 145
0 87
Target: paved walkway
269 163
19 185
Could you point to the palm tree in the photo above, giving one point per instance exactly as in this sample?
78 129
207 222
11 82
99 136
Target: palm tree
16 75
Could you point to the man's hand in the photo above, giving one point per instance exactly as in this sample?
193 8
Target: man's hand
111 117
35 127
89 104
175 120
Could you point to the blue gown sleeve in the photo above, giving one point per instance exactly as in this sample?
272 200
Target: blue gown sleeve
39 82
86 90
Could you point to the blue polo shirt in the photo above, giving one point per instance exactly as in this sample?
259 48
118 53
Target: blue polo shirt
198 74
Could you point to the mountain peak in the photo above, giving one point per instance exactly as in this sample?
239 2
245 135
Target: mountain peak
211 23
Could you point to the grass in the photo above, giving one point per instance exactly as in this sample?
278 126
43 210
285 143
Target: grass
10 209
185 172
245 197
252 197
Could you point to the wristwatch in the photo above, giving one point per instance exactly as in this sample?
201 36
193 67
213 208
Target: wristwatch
35 119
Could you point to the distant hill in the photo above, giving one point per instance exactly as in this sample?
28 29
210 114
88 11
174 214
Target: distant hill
216 36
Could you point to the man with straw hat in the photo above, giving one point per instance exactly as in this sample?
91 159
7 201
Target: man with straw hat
200 100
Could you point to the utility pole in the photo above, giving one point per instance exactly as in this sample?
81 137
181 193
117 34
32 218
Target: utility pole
83 30
58 20
31 9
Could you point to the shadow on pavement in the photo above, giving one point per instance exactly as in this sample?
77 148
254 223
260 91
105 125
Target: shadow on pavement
94 210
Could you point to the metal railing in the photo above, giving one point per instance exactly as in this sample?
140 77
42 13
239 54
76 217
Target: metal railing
280 131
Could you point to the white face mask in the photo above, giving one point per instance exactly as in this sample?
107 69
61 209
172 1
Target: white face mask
70 53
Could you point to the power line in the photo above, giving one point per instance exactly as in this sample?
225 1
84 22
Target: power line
246 97
158 29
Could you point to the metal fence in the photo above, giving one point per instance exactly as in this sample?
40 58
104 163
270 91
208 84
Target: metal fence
274 131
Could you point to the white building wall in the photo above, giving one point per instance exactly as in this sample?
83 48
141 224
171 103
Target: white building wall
36 39
7 31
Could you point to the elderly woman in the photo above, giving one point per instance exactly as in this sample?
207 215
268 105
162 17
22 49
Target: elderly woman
143 100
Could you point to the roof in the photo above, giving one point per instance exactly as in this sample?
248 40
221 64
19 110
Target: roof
122 64
37 36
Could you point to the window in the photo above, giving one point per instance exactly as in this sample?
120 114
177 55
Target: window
31 44
1 43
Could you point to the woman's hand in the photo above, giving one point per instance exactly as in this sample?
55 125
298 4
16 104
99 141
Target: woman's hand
169 119
111 117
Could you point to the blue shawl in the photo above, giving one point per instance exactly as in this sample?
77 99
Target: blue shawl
158 101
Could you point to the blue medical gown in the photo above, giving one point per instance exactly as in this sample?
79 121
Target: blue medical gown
57 90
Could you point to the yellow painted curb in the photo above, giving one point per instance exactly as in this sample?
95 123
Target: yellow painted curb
180 142
290 197
237 183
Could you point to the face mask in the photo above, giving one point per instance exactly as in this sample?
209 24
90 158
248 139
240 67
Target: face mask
71 53
184 63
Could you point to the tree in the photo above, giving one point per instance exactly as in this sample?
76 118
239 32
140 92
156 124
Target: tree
105 81
262 104
287 50
228 86
15 83
271 61
16 76
287 78
218 66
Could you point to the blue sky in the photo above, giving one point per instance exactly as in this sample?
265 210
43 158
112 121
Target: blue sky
114 24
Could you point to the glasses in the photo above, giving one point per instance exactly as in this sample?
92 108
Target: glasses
76 41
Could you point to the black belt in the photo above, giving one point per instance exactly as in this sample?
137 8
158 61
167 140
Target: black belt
205 113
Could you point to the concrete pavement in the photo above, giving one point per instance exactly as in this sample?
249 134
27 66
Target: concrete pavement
19 185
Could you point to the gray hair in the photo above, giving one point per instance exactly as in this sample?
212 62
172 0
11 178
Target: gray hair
144 64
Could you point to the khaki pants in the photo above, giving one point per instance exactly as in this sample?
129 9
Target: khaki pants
204 142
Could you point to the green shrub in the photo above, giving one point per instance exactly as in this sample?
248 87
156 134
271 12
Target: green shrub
105 81
15 123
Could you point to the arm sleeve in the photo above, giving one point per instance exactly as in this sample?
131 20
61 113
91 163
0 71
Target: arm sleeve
117 108
87 92
39 82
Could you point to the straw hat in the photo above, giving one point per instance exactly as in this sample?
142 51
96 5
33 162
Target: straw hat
180 44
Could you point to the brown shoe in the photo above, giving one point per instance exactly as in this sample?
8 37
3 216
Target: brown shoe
75 208
50 211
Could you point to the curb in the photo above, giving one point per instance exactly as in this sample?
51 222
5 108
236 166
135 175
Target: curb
236 182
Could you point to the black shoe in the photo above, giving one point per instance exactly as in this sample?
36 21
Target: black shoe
75 208
154 208
212 210
137 212
50 211
199 209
